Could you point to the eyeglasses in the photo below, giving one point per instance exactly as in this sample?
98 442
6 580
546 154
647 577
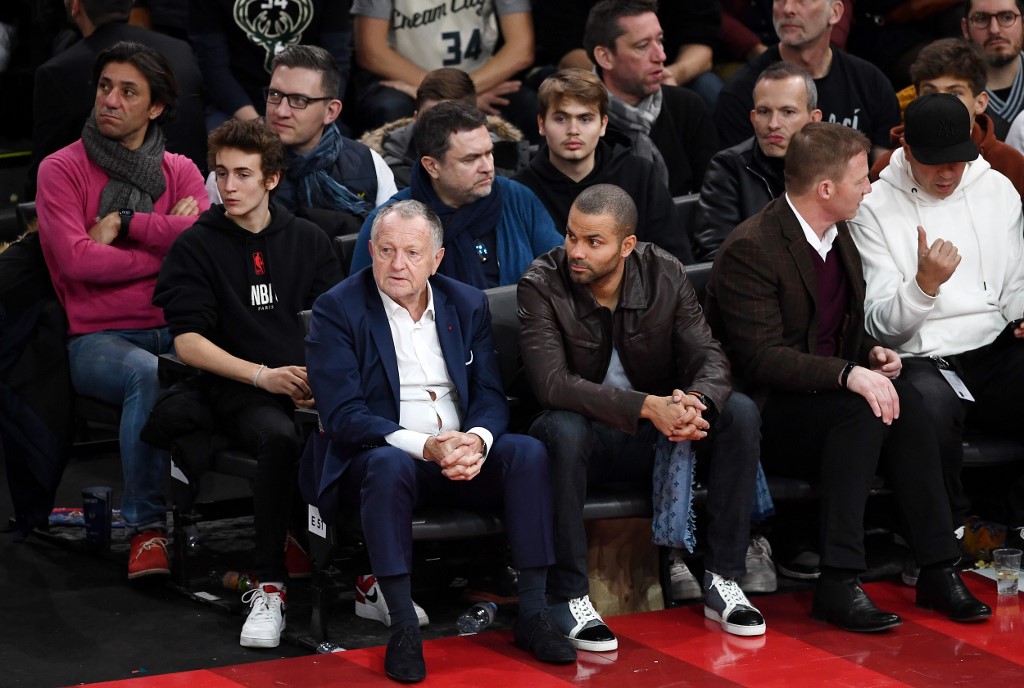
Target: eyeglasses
982 20
296 101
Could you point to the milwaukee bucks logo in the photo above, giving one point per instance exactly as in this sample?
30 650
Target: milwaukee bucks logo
273 24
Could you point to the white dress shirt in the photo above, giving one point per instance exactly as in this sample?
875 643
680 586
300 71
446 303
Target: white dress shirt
429 402
822 245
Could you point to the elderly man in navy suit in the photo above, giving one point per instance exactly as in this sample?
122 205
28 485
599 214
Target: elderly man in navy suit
403 369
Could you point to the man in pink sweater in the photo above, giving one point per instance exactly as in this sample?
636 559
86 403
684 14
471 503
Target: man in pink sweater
110 205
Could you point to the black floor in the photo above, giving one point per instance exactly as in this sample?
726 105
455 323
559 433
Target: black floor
68 616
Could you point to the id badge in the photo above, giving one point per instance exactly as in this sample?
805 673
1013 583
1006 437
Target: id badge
957 384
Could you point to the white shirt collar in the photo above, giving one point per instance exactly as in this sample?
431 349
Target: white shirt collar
823 245
392 307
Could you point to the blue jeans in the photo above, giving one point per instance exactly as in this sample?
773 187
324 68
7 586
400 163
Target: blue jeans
119 367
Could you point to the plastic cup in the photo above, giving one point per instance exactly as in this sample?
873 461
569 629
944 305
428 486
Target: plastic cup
1007 563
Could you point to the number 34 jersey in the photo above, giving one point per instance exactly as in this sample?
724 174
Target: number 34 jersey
442 33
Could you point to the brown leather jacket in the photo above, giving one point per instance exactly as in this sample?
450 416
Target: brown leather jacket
659 331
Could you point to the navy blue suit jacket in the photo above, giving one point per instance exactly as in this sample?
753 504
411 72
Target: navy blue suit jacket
353 372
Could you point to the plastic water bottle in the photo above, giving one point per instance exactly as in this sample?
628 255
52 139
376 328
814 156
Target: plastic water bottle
233 580
476 618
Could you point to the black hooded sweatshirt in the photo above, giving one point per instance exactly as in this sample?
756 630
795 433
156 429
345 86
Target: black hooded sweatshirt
656 216
243 291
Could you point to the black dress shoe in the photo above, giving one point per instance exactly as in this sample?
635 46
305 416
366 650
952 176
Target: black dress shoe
845 604
941 588
403 658
538 635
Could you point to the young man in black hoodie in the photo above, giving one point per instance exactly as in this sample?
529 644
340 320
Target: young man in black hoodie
572 119
231 288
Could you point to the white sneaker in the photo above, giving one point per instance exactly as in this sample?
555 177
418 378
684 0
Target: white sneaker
726 604
684 583
266 619
370 602
582 625
760 575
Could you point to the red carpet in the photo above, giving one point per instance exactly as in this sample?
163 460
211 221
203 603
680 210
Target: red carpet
678 648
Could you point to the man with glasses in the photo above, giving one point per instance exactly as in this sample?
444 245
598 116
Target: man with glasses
995 26
330 179
236 42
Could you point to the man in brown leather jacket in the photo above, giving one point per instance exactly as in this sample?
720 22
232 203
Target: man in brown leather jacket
616 347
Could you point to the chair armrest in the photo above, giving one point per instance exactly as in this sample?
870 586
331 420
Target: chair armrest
170 369
307 419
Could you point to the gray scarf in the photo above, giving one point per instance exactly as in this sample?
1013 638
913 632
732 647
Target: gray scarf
637 123
136 176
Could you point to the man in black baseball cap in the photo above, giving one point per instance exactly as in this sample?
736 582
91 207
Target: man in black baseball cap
938 130
941 238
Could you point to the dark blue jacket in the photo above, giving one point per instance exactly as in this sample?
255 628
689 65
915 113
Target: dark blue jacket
353 372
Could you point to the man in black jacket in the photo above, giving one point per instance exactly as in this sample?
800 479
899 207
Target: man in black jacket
668 125
231 288
573 117
63 94
741 180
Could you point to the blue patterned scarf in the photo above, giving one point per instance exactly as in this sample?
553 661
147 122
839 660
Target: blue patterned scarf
313 186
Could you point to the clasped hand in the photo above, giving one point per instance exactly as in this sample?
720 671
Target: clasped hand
678 417
459 454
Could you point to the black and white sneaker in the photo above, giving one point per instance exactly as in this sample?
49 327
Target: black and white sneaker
725 603
583 626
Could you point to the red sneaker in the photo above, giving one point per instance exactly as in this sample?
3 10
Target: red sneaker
296 559
148 555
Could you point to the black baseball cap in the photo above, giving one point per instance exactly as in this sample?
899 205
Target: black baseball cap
937 127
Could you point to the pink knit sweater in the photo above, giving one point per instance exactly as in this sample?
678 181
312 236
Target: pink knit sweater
107 287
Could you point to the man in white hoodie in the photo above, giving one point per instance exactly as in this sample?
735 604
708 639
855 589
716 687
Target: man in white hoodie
942 244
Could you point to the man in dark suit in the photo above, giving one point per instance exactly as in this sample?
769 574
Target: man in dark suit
64 92
786 297
403 369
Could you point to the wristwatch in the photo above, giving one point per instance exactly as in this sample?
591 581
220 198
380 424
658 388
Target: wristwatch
126 219
711 412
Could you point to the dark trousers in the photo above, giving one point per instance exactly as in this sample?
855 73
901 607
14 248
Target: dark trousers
586 453
388 484
263 424
995 376
834 439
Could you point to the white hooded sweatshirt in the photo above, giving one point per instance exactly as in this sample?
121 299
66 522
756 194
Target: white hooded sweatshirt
982 218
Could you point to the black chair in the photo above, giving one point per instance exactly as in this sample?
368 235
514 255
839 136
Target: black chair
686 213
187 511
344 248
27 218
88 412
